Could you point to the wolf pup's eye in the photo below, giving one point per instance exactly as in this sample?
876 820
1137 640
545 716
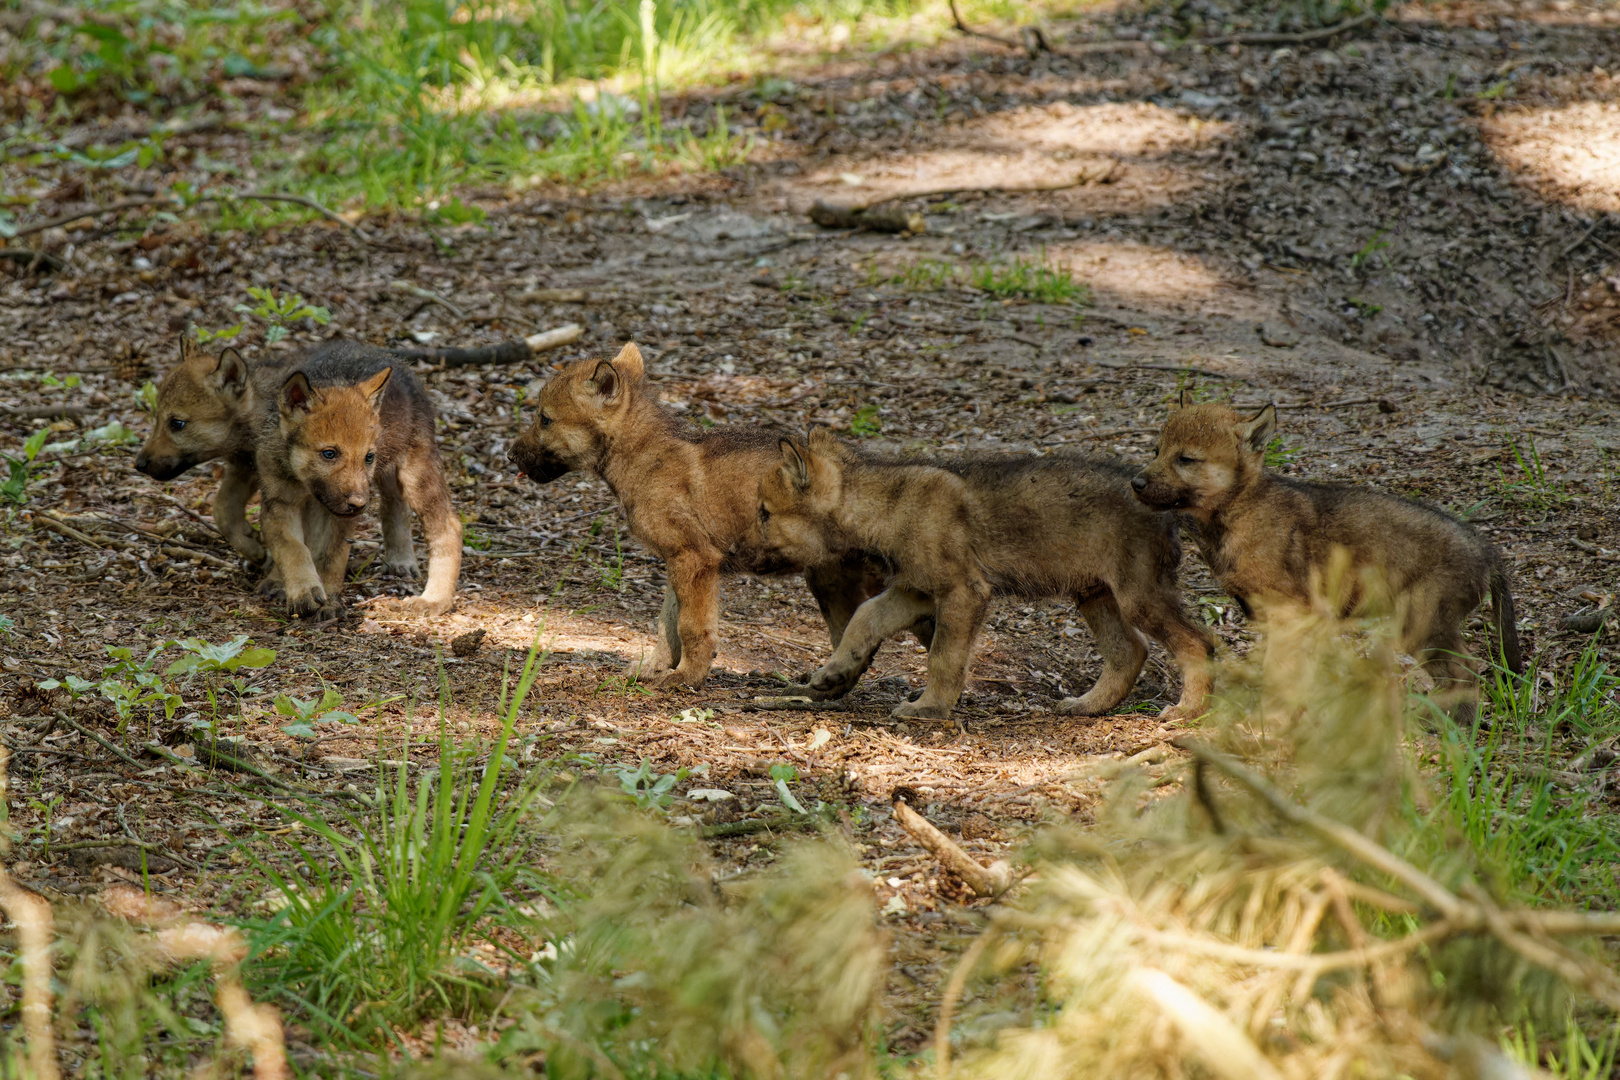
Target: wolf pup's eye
545 421
1184 459
370 457
329 455
176 424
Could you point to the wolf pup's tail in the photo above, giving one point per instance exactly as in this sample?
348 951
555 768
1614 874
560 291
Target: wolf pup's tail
1507 634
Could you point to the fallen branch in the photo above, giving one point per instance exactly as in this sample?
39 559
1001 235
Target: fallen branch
32 258
110 208
985 881
301 200
426 294
754 825
43 412
64 718
507 352
833 216
1285 39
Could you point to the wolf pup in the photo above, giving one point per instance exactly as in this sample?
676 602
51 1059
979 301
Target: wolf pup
347 418
206 408
1270 542
957 534
688 495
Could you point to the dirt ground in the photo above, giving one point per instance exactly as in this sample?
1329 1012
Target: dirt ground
1244 212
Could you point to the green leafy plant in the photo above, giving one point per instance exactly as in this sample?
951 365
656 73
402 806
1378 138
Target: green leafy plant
280 311
204 336
15 488
306 713
1279 454
865 423
1533 484
781 774
1373 246
221 666
649 789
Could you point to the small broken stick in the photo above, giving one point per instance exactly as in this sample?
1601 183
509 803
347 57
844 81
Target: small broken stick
799 703
833 216
985 881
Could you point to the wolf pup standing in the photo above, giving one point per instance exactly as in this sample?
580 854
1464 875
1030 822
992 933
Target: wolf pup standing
688 495
1049 526
206 409
1271 541
344 419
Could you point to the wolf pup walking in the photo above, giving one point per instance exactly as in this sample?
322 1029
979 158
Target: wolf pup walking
1049 526
1270 542
206 409
688 495
344 419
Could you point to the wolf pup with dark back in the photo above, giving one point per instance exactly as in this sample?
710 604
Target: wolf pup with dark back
1271 542
206 410
345 419
688 495
960 530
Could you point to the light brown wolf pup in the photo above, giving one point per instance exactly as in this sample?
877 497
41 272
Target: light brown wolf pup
344 419
206 409
1270 542
688 495
1048 526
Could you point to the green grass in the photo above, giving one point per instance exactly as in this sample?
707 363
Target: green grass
377 921
1025 279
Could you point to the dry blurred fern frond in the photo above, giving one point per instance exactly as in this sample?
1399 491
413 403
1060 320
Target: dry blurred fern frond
1261 924
658 971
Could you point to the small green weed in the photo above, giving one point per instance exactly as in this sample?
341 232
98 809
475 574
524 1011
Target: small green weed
1372 247
1030 279
1279 455
1533 484
15 488
281 311
306 713
865 423
648 788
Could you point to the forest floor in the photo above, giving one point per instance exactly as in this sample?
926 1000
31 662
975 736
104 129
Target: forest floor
1415 267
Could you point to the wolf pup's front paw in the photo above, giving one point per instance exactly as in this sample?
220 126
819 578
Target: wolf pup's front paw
916 710
416 605
404 570
314 605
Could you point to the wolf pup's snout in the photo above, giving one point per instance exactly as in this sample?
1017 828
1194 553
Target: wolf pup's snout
1139 483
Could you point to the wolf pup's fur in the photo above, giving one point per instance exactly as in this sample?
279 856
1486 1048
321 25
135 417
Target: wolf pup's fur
1271 541
688 495
955 535
206 410
345 419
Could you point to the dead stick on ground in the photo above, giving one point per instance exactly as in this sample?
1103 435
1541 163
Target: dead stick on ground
87 733
1285 39
301 200
986 881
110 208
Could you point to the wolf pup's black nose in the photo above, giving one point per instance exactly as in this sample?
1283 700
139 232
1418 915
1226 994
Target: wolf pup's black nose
1138 483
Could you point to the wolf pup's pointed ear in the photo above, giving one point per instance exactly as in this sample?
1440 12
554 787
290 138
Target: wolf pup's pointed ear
794 466
629 362
373 387
230 372
607 382
296 393
1257 431
1183 400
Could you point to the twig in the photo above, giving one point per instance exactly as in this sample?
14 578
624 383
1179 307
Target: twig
427 294
754 825
968 31
1285 39
515 351
87 733
985 881
1375 855
42 412
110 208
32 258
301 200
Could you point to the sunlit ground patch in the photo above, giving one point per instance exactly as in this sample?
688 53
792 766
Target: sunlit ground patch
1045 147
1152 277
1572 152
